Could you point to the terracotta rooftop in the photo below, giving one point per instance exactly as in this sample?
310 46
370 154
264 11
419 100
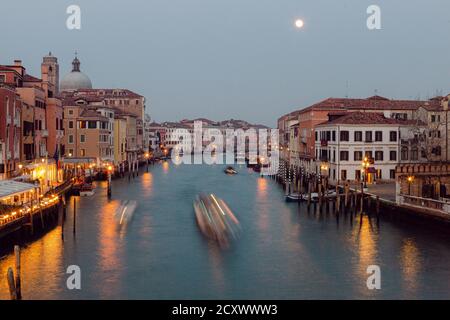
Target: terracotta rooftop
88 113
105 93
372 103
30 78
369 118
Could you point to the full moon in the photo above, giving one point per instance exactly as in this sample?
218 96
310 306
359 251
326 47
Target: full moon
299 23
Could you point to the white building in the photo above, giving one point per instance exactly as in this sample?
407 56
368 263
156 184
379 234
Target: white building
347 140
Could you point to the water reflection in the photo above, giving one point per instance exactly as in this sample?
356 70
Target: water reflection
365 242
110 260
42 267
410 262
165 166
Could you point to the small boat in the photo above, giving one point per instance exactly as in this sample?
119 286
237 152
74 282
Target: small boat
294 197
126 211
86 190
291 197
230 170
215 219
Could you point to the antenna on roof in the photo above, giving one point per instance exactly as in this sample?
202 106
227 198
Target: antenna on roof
376 92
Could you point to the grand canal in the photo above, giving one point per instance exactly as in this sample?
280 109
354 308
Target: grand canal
284 252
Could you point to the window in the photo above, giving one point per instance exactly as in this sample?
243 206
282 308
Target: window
368 154
315 136
82 138
393 155
379 174
378 135
82 152
344 136
71 151
358 136
358 155
70 124
70 112
344 156
344 175
368 136
2 78
92 124
82 124
70 138
358 175
393 136
392 174
433 118
378 155
333 136
414 154
437 151
404 154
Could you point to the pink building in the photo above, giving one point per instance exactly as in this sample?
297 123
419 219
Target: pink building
10 130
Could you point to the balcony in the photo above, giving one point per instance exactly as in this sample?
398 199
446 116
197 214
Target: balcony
17 122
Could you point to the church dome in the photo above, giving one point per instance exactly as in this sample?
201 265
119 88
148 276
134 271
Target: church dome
76 79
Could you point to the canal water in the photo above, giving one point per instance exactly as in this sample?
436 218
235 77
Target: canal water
284 251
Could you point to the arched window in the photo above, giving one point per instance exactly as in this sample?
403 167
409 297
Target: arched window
404 153
414 154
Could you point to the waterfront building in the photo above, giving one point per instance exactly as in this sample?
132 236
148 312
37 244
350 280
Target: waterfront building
89 131
361 146
10 130
124 100
308 118
42 120
120 139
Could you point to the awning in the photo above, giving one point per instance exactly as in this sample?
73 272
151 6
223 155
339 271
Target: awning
80 160
9 188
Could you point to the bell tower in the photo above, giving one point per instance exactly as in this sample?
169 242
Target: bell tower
50 74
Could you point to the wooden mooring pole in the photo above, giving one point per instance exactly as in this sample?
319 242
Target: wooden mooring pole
18 281
74 214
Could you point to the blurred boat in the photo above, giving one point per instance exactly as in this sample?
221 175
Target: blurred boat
125 212
215 219
230 170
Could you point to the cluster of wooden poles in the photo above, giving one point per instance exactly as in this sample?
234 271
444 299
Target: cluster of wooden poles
14 282
345 199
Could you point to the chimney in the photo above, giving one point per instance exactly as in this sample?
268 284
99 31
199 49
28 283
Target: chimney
18 63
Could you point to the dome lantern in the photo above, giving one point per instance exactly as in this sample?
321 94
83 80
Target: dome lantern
76 79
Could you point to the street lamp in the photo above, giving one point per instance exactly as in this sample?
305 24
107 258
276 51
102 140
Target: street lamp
410 180
365 169
147 156
109 169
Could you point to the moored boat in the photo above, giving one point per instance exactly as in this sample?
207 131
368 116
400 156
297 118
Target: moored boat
87 190
230 170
